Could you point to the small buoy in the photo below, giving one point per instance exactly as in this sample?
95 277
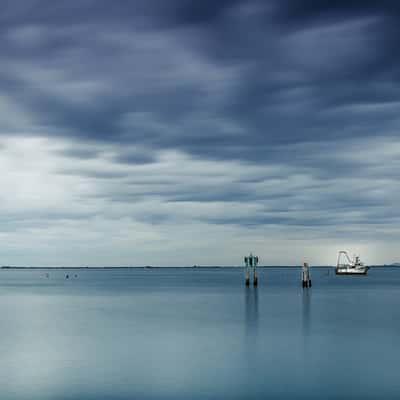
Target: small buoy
67 276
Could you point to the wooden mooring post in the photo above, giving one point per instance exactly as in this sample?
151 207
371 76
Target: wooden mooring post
305 276
251 263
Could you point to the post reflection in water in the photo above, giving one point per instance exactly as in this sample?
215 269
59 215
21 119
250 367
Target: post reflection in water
306 311
251 311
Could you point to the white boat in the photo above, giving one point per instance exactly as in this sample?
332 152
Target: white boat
350 267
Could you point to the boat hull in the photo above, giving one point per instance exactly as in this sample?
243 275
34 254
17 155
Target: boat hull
352 271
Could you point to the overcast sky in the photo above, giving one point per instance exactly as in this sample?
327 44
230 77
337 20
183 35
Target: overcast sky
188 132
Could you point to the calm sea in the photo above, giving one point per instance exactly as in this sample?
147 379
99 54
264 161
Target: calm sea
198 334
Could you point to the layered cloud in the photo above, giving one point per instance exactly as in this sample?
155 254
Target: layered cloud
175 133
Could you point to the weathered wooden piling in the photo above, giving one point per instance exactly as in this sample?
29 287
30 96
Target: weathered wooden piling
305 276
251 263
247 279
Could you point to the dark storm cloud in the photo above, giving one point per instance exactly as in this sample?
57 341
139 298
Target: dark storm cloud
79 153
285 83
135 157
283 71
308 10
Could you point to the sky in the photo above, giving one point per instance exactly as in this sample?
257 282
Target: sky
181 132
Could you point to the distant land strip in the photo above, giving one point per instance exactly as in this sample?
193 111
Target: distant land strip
186 267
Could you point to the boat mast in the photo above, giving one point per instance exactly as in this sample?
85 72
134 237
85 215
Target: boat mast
342 252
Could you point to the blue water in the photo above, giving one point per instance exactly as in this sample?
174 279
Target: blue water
198 334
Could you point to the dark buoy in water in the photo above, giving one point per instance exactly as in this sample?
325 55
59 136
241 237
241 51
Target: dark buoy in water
67 276
251 263
305 276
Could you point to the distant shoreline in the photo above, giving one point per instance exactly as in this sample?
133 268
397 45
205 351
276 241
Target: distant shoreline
8 267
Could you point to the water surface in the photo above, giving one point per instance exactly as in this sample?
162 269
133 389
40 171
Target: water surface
198 334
